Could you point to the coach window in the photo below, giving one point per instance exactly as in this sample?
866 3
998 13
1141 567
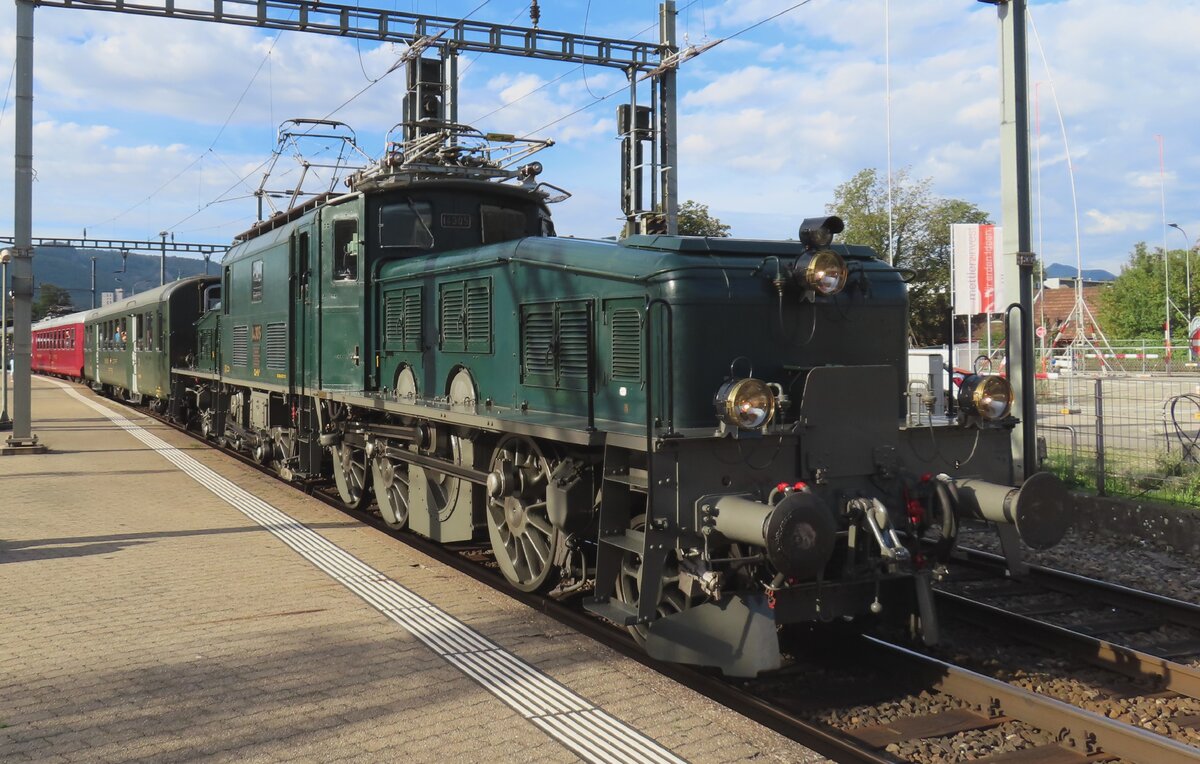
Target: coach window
346 246
256 281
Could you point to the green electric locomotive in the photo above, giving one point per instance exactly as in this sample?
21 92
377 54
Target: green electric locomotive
707 436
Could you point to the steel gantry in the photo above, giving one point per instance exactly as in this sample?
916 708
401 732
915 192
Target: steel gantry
451 37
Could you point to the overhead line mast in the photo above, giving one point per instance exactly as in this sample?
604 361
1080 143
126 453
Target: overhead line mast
450 36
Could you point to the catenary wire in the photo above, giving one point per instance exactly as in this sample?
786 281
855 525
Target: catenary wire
738 33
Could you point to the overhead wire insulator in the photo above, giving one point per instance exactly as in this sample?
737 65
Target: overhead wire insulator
535 14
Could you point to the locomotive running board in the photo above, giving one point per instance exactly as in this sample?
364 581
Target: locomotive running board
736 635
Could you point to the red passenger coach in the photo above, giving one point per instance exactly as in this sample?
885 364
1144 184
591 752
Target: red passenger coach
58 346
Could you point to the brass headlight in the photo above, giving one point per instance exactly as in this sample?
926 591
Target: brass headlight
745 403
989 395
823 271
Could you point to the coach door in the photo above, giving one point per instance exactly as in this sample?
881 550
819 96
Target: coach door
306 296
131 344
99 341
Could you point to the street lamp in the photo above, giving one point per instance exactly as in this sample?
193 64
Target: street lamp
5 257
1187 259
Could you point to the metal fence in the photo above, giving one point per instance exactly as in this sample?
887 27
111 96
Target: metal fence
1124 435
1119 357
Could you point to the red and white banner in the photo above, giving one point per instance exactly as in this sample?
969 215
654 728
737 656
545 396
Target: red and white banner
984 280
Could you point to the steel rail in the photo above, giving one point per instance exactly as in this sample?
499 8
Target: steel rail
1086 732
1176 677
1116 595
386 25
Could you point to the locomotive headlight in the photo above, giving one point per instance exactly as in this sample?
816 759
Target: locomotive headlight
988 395
745 403
823 271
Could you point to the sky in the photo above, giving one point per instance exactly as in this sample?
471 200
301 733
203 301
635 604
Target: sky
145 125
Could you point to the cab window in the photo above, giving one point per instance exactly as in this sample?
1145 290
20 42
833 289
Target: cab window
406 224
502 224
346 246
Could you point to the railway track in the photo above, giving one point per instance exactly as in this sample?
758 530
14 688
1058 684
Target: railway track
1138 634
980 702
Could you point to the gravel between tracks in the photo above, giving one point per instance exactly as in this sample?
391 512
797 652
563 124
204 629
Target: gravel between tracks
1145 565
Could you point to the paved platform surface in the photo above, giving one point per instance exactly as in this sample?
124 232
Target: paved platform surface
155 614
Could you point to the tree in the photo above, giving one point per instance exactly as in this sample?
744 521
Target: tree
1133 306
52 300
695 220
920 240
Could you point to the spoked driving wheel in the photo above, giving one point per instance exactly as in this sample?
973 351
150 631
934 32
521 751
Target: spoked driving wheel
523 538
351 475
390 480
630 588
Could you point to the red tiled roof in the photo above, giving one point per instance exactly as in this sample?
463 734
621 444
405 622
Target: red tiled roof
1060 304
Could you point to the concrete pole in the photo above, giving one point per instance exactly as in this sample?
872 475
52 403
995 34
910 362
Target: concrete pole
668 128
1018 239
22 261
93 282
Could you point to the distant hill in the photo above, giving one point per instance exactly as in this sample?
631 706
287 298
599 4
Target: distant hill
1060 271
71 269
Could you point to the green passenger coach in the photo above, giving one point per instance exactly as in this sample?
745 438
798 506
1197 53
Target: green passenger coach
131 344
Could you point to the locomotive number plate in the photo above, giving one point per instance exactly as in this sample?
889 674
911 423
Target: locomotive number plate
456 220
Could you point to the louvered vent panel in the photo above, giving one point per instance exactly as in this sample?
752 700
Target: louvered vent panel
626 325
573 343
537 336
393 318
452 318
277 338
412 319
241 345
479 317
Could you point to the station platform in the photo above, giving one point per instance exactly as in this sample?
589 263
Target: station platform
162 602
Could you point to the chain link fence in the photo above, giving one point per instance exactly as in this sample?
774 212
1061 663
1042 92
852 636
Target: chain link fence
1124 435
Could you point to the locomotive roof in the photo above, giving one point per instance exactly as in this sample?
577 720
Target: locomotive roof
730 246
389 184
636 258
149 297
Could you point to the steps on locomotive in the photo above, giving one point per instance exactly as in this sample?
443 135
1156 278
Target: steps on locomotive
630 540
636 480
614 610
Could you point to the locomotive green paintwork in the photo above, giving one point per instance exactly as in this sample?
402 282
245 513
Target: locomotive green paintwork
518 314
725 314
132 344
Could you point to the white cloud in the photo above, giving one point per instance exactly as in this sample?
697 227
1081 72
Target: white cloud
1118 222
